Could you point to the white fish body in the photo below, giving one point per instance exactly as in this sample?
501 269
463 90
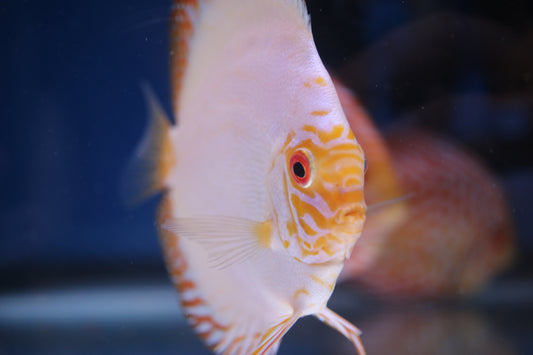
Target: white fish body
252 241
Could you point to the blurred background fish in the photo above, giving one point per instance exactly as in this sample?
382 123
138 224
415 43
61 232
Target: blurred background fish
440 226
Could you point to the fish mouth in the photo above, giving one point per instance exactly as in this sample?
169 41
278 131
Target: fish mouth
350 215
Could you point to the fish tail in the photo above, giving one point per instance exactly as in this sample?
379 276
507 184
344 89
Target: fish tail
148 169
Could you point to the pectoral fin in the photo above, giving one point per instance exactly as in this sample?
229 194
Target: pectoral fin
228 240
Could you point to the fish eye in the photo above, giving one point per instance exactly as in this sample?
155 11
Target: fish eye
300 168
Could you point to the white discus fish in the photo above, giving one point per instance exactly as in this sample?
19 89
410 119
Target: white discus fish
263 177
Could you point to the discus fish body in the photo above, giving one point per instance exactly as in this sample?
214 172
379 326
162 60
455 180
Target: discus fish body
263 177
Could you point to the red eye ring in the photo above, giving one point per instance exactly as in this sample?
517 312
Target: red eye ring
300 168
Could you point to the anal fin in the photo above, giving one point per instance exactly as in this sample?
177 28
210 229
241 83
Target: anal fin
272 337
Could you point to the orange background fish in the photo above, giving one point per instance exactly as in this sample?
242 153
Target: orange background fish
450 234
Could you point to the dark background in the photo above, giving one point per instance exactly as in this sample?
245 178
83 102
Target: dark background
72 112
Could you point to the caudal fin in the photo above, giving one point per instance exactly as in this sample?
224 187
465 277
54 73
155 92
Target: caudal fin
149 167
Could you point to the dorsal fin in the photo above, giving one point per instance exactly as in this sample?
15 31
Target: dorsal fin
186 22
183 16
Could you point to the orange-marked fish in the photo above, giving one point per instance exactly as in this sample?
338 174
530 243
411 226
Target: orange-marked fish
452 233
262 176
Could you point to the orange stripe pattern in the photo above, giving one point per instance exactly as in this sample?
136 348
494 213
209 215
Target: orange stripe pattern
327 216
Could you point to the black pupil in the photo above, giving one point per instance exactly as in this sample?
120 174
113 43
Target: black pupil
298 170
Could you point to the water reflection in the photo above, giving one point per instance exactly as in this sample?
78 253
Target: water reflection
434 331
144 318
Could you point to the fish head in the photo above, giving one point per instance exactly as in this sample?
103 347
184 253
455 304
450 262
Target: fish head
323 176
